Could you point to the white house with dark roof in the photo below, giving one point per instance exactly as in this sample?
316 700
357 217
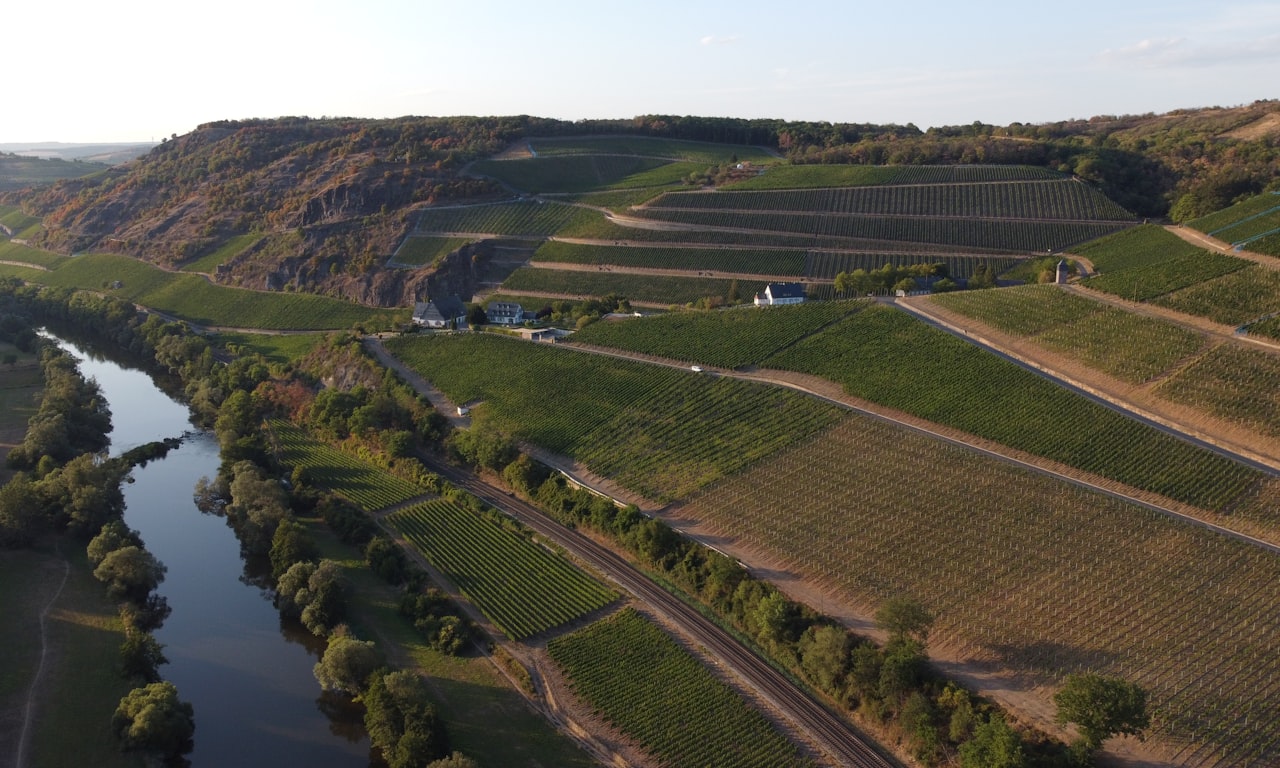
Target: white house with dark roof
504 313
439 313
780 293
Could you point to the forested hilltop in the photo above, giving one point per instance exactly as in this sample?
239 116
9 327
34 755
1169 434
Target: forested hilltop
319 205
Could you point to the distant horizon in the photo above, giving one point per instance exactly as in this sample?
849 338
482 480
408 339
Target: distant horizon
938 64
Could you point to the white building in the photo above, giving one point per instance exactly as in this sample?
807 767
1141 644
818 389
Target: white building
780 293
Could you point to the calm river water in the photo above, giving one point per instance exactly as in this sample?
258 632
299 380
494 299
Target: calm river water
249 680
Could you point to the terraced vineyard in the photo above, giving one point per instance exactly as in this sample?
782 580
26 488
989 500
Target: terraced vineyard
585 173
11 251
808 176
1243 223
1231 215
728 339
1060 199
644 684
825 265
521 586
426 251
514 219
1028 572
233 247
661 432
705 153
654 289
888 357
365 484
1009 235
759 261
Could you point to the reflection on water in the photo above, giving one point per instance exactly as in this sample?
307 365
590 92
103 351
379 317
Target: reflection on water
248 677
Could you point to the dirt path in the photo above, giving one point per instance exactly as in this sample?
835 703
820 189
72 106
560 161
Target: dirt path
27 264
1202 240
24 737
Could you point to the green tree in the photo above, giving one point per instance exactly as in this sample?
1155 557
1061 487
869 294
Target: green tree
347 664
401 721
905 618
21 513
1102 707
312 593
824 655
291 544
114 535
130 573
994 745
141 656
152 719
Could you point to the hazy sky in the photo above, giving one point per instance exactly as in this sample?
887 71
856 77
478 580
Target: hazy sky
98 70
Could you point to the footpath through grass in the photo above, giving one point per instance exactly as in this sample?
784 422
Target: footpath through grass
82 685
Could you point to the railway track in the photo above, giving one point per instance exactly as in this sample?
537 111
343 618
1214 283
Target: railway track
832 733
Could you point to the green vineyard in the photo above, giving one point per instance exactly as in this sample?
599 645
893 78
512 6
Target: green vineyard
1026 572
1009 235
1060 199
520 585
659 431
363 483
888 357
644 684
651 289
728 339
514 219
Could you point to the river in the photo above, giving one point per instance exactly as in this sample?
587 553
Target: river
248 678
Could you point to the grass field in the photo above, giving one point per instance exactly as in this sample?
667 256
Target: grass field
485 718
281 348
638 679
82 685
12 217
226 252
655 289
17 172
1027 572
659 431
195 299
886 356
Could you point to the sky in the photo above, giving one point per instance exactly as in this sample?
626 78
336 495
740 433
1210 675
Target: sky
140 70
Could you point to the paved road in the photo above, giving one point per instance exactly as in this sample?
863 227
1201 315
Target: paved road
832 732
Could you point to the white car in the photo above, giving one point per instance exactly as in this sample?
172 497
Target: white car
696 368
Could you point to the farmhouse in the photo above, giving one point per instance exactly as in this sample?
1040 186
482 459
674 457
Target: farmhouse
780 293
504 313
439 313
